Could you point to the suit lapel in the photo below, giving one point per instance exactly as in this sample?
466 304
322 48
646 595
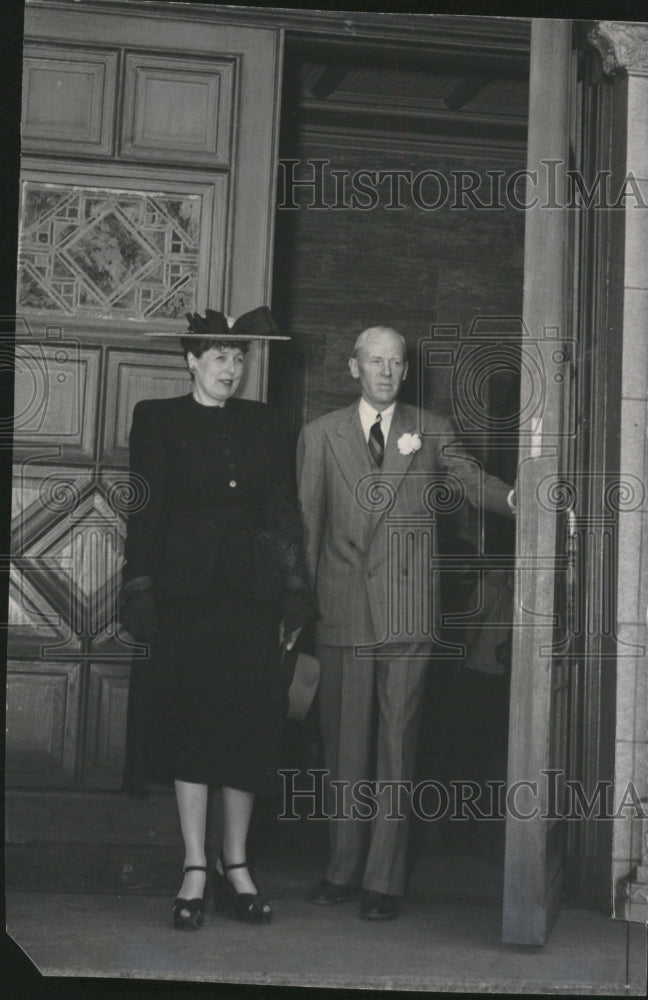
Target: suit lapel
394 464
352 454
350 448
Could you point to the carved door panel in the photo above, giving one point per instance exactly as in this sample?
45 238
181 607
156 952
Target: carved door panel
147 190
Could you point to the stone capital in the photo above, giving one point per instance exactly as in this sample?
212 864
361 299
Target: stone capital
623 46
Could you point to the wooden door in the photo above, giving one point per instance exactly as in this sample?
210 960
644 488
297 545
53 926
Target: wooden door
570 493
540 681
147 190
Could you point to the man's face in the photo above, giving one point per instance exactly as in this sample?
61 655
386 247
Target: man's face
381 367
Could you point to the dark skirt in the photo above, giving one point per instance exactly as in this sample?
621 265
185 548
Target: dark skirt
209 704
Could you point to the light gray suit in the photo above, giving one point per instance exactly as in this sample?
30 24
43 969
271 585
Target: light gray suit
371 550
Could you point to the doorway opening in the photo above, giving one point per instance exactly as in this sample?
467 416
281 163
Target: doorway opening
392 209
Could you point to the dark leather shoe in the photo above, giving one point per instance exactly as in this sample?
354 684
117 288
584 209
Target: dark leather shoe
326 892
378 906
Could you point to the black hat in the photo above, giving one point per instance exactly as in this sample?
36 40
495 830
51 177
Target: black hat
258 324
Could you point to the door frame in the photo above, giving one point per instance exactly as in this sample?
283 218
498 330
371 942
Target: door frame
544 306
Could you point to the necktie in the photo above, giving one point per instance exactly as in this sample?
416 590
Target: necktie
377 442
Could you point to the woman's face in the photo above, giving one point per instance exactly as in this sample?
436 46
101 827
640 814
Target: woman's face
216 373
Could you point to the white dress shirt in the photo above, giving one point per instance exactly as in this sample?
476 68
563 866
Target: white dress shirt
368 418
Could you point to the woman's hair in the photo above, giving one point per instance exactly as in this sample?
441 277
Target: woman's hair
198 345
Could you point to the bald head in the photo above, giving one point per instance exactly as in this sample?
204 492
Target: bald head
379 364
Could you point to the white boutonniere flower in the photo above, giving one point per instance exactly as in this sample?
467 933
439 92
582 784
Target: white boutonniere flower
409 443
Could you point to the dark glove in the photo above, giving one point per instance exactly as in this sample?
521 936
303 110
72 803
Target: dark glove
139 615
296 609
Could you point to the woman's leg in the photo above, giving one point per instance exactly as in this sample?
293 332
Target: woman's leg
237 810
192 807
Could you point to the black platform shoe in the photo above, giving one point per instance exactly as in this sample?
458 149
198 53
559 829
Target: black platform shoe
188 913
250 907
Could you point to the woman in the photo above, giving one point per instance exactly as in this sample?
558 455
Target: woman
213 579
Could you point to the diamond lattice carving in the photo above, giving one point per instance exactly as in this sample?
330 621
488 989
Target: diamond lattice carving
102 252
75 562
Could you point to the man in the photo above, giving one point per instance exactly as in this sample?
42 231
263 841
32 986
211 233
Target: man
369 476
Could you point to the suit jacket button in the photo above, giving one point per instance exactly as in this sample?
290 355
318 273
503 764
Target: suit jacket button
352 543
232 483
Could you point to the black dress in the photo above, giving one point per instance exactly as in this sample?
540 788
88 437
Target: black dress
208 705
